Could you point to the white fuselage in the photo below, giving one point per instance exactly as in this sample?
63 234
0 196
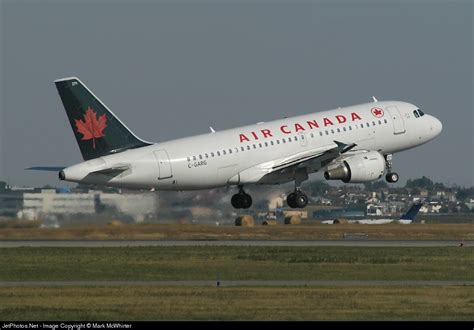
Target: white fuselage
243 155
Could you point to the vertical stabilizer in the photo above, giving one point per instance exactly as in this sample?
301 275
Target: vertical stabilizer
97 130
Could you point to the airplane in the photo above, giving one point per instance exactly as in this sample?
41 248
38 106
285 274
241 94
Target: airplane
405 219
354 144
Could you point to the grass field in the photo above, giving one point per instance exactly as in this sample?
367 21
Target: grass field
308 231
211 303
237 263
236 303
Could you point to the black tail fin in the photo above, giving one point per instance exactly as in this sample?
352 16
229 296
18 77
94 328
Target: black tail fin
98 131
412 212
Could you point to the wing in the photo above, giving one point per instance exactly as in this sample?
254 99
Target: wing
284 170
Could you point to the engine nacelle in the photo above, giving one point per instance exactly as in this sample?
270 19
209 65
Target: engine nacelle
363 167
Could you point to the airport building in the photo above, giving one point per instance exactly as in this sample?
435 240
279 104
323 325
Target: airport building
39 203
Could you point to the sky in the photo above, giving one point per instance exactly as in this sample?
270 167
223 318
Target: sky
170 69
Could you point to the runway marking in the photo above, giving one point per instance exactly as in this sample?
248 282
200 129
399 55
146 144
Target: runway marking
126 243
236 283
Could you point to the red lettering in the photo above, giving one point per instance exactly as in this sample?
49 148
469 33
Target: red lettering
341 119
266 133
327 122
283 128
243 138
298 127
355 116
312 124
255 136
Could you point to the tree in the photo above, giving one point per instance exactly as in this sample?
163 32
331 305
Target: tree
375 186
464 194
318 188
422 182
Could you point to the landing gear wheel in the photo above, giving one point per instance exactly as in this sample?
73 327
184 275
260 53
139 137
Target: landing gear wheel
392 177
291 200
297 200
241 200
301 200
236 201
246 201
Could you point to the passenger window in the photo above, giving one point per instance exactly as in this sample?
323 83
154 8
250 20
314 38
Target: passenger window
373 123
248 147
212 154
312 135
242 148
380 122
189 159
338 130
271 142
218 153
344 129
289 139
254 146
284 141
361 125
206 155
200 156
327 133
223 152
266 144
296 138
278 141
368 125
194 158
320 133
385 121
230 151
260 145
332 131
350 128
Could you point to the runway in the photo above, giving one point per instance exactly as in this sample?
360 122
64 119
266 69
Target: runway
237 283
130 243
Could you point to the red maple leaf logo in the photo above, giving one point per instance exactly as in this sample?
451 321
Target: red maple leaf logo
91 127
377 112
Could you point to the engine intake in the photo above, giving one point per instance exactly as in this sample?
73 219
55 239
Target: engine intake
363 167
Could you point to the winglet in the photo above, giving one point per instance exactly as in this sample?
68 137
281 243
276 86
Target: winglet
212 129
375 100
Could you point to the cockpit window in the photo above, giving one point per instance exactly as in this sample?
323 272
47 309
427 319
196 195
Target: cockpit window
421 113
416 113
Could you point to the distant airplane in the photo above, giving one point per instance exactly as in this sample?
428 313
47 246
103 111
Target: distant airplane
353 144
405 219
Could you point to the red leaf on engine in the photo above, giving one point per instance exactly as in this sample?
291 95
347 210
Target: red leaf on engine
91 127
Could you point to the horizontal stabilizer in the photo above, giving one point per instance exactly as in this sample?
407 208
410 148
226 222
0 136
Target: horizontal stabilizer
113 170
46 168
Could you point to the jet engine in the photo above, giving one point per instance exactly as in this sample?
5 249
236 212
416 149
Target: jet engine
362 167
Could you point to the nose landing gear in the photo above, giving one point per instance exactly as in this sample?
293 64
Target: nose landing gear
391 177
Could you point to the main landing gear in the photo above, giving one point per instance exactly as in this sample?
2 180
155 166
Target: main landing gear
298 199
390 176
241 200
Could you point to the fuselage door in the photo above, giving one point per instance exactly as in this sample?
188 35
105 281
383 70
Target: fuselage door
164 164
397 120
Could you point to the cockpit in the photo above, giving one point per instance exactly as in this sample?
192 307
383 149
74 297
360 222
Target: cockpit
418 113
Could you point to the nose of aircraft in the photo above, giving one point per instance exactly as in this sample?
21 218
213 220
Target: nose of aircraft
436 126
